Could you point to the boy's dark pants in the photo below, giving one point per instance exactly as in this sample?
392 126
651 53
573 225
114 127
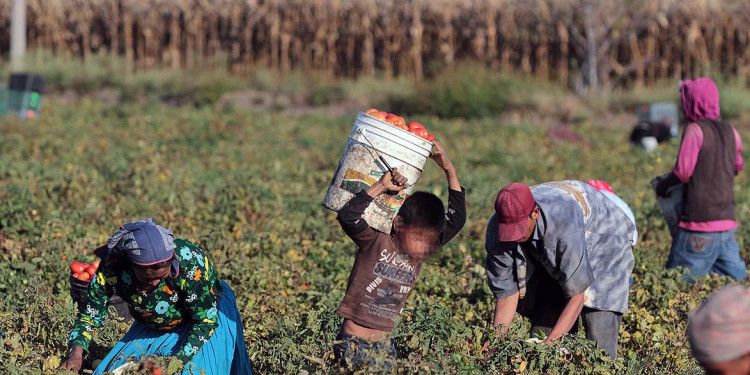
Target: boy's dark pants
358 352
600 325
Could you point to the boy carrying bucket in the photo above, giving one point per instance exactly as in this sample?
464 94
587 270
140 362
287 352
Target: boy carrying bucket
387 265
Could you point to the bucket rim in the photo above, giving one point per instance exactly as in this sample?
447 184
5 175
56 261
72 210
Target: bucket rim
388 154
411 138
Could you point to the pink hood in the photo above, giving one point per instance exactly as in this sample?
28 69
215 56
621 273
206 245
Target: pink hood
700 99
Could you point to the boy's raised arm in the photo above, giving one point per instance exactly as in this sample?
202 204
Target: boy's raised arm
350 216
456 215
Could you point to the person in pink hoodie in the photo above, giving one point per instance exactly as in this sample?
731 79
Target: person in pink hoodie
710 156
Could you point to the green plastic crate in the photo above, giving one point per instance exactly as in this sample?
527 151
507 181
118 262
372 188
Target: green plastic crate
3 100
25 104
25 94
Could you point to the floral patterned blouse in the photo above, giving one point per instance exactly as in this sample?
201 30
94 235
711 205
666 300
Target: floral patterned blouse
189 298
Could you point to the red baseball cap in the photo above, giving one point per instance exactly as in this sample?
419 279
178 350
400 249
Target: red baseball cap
513 206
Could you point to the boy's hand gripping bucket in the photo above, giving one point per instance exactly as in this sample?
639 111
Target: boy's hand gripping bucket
359 169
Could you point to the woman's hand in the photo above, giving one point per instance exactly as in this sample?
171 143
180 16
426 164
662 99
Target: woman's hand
75 360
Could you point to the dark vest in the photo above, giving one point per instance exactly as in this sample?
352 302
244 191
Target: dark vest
708 194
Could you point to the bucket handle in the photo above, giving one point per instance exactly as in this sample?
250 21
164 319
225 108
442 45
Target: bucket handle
372 148
380 157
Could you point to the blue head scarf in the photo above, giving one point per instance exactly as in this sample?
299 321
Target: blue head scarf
143 243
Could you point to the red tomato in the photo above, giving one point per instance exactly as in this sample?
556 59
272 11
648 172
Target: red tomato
84 276
76 275
371 111
395 120
415 125
420 132
402 126
379 115
156 371
77 267
91 270
95 263
430 137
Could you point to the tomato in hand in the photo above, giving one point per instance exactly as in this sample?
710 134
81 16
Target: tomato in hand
77 267
91 270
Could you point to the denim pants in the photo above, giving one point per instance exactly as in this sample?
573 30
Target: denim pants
707 252
356 352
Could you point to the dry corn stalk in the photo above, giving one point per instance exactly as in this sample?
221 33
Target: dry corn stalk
641 43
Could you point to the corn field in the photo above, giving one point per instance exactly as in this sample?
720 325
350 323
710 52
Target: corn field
583 43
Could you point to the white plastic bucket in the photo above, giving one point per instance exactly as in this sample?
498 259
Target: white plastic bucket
359 168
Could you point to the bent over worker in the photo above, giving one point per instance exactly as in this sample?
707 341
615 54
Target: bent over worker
557 251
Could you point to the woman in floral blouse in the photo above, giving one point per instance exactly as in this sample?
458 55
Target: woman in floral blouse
180 306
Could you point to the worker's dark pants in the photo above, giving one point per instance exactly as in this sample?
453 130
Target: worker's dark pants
600 326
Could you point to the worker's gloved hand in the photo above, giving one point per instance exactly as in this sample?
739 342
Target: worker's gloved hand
663 184
662 189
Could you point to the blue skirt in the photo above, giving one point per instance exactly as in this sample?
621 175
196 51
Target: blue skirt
224 353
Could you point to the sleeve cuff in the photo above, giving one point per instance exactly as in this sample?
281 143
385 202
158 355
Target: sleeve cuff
363 195
572 288
462 192
500 294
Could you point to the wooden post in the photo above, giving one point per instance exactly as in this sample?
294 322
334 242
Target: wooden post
417 30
